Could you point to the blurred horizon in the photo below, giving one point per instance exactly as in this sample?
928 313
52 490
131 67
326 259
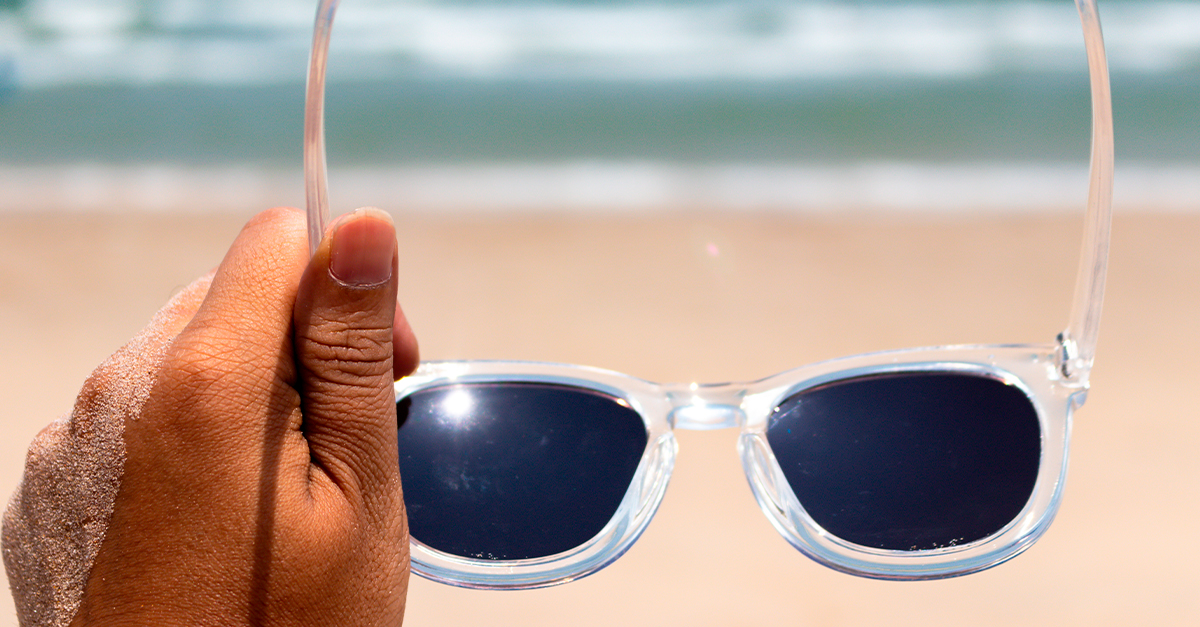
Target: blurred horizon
843 86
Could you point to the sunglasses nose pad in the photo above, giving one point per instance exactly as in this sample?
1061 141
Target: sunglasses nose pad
703 407
756 461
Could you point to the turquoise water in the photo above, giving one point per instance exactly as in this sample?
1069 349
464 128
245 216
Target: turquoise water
1012 118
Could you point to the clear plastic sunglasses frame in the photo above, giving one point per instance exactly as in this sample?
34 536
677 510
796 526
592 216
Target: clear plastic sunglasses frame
1054 376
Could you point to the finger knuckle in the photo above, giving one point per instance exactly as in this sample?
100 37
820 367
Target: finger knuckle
348 356
208 367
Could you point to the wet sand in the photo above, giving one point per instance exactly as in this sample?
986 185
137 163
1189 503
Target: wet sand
707 297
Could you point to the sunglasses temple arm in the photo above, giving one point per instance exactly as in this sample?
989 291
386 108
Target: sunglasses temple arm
315 182
1078 342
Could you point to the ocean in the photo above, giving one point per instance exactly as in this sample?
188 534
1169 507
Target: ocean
948 105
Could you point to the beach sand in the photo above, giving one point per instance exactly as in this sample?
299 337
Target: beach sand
713 297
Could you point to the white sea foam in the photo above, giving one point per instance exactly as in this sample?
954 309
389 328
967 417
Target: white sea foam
57 42
604 187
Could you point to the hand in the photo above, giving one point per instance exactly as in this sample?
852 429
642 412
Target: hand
260 482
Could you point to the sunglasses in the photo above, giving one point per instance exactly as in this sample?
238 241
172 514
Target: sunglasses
911 464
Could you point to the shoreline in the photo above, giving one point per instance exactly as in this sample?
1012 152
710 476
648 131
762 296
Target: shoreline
603 188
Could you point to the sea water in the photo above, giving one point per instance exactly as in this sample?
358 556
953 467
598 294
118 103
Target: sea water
597 104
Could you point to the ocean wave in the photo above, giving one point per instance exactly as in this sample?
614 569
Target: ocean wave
57 42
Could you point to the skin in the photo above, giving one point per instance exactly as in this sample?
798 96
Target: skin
261 484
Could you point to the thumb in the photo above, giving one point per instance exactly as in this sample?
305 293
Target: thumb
344 317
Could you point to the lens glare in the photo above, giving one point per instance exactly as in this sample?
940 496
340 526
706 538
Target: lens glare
508 471
909 461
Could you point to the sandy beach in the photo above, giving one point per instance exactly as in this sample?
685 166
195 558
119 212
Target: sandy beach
696 296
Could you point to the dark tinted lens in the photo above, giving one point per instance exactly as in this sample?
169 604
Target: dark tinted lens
909 461
514 470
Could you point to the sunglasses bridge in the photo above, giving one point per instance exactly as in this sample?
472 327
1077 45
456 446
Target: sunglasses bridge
706 406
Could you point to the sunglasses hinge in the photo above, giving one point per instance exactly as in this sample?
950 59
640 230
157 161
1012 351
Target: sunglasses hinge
1073 368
